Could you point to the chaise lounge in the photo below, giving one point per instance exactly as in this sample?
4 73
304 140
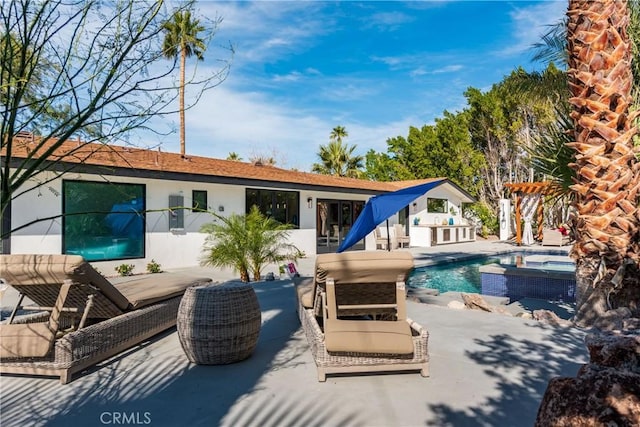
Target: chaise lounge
80 318
353 312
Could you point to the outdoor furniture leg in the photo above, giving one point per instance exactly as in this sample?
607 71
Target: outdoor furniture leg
16 308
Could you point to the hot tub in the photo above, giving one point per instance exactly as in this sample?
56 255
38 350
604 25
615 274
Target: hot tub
545 277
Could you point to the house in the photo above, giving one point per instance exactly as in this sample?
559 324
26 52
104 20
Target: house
114 203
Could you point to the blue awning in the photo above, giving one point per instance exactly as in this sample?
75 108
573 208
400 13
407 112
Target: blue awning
381 207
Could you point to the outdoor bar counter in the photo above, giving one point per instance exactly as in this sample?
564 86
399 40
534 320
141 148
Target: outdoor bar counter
432 234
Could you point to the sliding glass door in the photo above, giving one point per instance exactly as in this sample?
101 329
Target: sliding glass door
334 220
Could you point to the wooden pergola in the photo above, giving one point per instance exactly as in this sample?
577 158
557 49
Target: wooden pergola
530 188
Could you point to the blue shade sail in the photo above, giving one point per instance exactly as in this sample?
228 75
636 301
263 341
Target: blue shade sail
381 207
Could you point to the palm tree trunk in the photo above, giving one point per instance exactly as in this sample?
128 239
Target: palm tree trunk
608 178
183 64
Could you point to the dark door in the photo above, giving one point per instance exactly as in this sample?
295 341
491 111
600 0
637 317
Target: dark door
334 221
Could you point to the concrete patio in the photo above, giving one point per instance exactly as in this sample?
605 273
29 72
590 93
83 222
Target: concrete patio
486 370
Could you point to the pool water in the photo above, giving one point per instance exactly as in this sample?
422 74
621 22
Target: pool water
464 276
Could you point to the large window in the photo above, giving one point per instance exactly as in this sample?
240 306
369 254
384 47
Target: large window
283 206
199 201
103 221
437 205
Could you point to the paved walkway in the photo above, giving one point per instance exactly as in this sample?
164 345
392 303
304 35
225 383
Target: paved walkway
486 370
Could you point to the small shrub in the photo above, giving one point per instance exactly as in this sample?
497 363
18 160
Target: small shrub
482 213
154 267
125 269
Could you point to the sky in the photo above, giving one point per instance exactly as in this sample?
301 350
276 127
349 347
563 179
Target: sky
301 68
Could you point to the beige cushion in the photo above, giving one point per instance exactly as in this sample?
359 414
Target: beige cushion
25 340
363 266
31 269
368 336
304 290
152 288
131 293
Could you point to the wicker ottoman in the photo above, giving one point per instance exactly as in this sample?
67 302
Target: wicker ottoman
219 324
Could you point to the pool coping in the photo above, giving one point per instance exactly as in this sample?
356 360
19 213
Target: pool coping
447 258
512 270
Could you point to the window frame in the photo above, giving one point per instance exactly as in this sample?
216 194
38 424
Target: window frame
194 206
431 200
141 238
264 196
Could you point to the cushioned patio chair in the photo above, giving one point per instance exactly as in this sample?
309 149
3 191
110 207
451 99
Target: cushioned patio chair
362 324
381 240
402 239
80 318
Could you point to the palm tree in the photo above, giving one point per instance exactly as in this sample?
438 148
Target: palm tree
337 158
607 173
247 243
182 38
234 157
337 133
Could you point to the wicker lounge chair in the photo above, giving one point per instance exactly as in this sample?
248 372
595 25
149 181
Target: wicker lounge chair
362 325
79 317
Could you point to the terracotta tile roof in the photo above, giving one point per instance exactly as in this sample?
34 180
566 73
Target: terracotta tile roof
156 160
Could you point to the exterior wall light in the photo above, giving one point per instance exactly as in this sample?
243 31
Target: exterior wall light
310 202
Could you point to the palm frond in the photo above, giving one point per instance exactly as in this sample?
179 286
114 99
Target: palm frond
550 155
553 47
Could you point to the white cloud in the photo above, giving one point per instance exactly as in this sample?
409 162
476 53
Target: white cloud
387 21
265 31
250 123
422 71
529 23
293 76
247 123
347 91
391 61
447 69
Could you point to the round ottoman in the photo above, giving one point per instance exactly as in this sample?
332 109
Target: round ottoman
219 324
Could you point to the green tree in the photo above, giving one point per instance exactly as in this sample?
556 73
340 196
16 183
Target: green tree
380 167
490 125
440 150
531 100
338 159
234 157
247 243
182 38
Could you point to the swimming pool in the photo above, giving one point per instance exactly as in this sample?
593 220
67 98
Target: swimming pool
465 275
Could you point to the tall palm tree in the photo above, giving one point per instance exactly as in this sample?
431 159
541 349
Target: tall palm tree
338 159
337 133
607 171
182 38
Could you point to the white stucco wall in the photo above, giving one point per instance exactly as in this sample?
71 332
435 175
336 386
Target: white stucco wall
428 218
181 248
170 248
